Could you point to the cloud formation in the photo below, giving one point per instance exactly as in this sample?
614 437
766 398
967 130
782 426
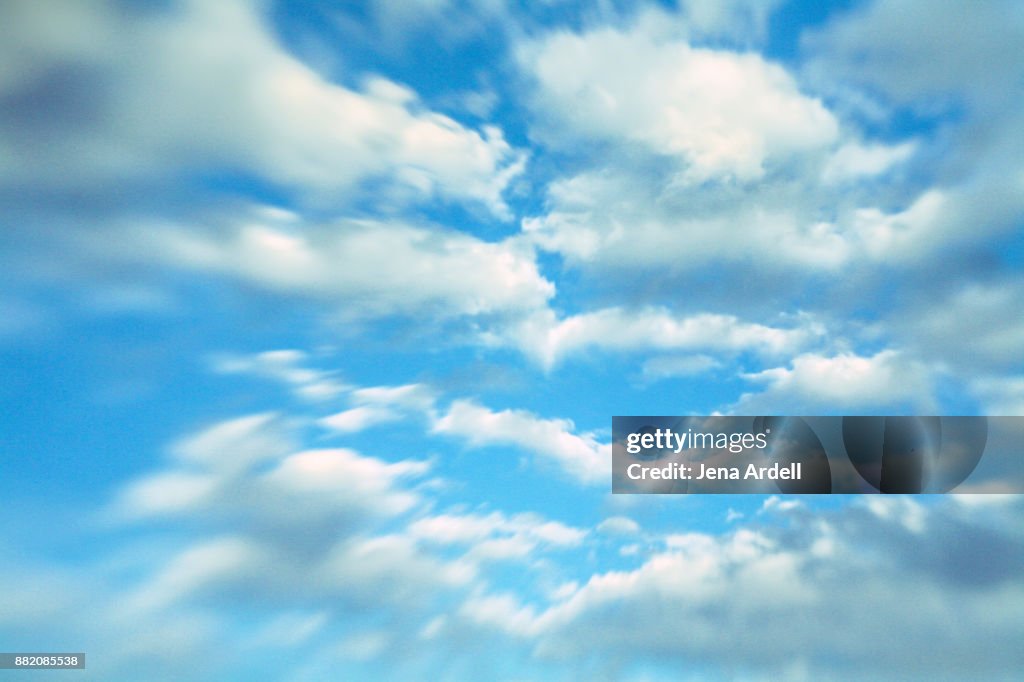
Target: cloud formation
846 383
581 455
361 268
724 114
753 601
549 340
161 90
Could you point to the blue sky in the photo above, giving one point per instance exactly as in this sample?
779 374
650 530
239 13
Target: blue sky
314 316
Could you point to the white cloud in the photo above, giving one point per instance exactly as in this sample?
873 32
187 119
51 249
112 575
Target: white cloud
359 418
323 505
352 534
907 234
413 397
236 444
948 67
496 537
872 571
457 528
902 510
209 85
957 565
778 505
285 366
625 217
724 114
381 404
249 466
619 525
852 160
580 455
811 196
341 478
244 520
549 340
363 268
816 384
324 527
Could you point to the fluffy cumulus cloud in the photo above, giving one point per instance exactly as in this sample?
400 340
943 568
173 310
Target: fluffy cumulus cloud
320 543
846 381
361 268
626 217
164 89
725 114
263 515
828 198
258 516
859 61
580 454
888 576
548 339
248 464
